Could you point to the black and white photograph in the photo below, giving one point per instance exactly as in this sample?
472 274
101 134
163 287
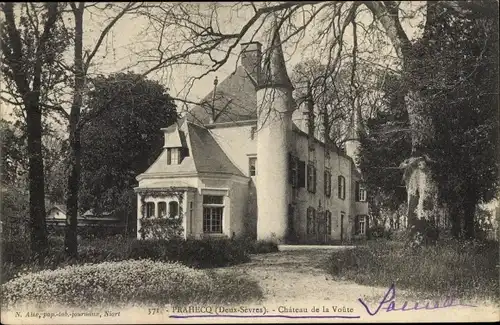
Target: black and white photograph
249 162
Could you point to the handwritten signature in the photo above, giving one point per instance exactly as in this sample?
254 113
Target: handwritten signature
389 303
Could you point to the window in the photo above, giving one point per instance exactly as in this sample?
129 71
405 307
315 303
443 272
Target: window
311 178
360 192
162 209
173 156
341 188
328 222
213 209
252 162
150 209
361 225
311 220
173 209
328 183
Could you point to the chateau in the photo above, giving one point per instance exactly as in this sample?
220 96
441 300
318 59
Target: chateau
250 164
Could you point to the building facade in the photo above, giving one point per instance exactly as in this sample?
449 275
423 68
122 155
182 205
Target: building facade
246 162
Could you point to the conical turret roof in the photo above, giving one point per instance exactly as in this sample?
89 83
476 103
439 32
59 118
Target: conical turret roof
274 72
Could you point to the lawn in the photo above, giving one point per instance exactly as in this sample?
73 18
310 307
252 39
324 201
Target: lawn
462 269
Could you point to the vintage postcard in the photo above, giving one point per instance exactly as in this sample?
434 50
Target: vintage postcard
249 162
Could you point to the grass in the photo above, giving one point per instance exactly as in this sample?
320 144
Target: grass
462 269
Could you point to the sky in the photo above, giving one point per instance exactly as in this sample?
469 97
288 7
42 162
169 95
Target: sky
124 47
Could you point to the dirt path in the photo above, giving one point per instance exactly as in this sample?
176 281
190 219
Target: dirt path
296 279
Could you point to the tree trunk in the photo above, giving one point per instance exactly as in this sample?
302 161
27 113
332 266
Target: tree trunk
455 217
39 243
71 240
469 207
424 208
421 188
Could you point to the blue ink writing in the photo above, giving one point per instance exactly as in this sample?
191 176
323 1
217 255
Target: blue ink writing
388 303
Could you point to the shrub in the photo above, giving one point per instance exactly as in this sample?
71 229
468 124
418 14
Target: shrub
127 283
465 269
379 231
197 253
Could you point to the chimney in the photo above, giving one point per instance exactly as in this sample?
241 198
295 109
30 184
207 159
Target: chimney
251 56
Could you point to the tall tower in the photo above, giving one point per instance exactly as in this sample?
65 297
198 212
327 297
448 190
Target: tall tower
353 143
274 126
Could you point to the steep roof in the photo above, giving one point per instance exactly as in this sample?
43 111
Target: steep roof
207 154
235 100
274 69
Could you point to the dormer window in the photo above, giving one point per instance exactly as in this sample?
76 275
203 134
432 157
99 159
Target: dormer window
173 156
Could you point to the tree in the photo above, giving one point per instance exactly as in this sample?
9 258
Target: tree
337 93
12 153
461 93
80 68
31 47
124 141
386 140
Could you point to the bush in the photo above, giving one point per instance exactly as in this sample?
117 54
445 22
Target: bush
379 231
465 269
197 253
127 283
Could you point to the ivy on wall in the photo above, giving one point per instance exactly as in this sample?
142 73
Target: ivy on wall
166 227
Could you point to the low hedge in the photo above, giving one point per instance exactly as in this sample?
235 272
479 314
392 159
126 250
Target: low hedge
205 253
127 283
195 253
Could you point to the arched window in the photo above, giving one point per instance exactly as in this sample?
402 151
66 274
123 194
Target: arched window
162 209
173 208
150 209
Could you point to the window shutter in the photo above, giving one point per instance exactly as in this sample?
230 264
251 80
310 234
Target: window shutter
308 177
367 224
315 179
356 225
339 186
356 194
302 174
343 187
